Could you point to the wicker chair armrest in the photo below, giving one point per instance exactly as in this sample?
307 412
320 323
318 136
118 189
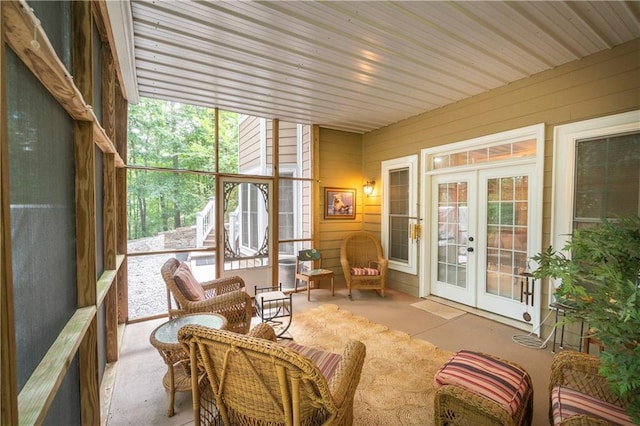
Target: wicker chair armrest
263 331
345 380
379 264
580 371
221 286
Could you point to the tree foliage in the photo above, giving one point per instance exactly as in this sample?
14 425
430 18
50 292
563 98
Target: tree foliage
178 139
601 283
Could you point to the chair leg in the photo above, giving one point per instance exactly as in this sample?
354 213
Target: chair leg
333 292
309 290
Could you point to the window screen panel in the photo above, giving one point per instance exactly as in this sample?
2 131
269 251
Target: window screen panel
42 202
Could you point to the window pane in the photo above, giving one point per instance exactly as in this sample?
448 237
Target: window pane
168 210
399 211
607 177
177 136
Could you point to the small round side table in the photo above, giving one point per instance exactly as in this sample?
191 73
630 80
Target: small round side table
165 339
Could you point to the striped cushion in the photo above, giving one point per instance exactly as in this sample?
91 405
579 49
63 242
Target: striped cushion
485 376
364 271
327 362
567 402
187 284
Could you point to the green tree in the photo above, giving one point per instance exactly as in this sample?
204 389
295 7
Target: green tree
172 141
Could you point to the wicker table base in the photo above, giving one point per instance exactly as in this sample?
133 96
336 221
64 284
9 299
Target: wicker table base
165 340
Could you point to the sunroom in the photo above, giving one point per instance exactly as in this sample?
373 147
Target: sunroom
469 119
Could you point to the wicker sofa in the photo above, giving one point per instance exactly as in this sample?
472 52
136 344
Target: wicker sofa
579 395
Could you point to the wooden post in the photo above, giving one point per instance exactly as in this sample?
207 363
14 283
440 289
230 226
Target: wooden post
82 22
275 197
8 380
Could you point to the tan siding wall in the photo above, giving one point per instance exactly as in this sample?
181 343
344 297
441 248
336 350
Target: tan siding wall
249 149
340 166
602 84
288 143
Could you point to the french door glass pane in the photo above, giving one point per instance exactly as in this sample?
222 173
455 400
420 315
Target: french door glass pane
452 233
507 219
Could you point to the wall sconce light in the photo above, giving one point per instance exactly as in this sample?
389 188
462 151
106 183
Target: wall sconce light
368 187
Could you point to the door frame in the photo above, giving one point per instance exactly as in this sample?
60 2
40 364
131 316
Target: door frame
428 155
250 275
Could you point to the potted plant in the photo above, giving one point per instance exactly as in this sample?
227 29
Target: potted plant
599 278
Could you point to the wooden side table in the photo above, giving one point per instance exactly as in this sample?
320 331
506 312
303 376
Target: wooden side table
165 339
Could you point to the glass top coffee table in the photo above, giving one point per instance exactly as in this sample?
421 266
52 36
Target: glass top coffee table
165 339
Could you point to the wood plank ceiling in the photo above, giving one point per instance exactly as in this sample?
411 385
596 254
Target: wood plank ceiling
361 65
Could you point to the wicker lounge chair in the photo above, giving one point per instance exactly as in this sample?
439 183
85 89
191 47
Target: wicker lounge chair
363 264
580 395
243 380
224 296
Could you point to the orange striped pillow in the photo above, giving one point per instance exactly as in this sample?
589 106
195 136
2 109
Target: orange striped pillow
327 362
567 402
488 377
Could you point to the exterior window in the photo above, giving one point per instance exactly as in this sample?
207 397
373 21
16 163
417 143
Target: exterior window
400 224
399 215
250 224
607 183
604 180
287 217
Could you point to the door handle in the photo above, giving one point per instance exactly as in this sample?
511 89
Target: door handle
469 249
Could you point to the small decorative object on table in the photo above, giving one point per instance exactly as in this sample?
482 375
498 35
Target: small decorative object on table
274 307
165 339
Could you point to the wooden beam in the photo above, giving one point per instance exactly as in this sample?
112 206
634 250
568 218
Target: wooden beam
275 197
8 380
120 140
315 185
86 212
19 27
39 391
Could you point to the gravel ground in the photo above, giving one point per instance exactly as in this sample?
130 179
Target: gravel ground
147 292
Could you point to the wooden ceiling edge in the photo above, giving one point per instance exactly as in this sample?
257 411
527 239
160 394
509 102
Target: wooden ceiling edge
101 14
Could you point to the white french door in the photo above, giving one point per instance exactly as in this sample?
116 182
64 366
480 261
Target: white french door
453 263
482 239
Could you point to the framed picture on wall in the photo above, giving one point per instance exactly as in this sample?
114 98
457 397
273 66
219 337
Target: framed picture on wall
340 203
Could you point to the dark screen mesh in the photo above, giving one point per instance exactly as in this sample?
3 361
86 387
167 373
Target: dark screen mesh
42 199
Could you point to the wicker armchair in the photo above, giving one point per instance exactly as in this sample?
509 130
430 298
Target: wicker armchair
243 380
577 371
224 296
363 264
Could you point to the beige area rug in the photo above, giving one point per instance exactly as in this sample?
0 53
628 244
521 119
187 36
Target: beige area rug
396 386
435 308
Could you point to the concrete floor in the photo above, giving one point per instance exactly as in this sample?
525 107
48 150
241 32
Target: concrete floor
139 398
